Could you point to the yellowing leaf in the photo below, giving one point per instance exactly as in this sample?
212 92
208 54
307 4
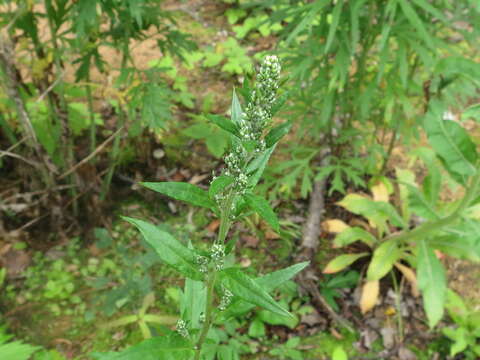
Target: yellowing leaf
342 261
380 192
334 226
410 276
369 296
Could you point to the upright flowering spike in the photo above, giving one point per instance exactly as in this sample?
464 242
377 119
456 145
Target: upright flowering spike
255 119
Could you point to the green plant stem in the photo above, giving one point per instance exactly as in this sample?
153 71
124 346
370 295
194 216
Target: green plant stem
93 126
398 293
423 230
225 224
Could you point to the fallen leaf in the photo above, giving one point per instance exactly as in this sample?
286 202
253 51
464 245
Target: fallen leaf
213 226
369 296
198 178
410 276
271 235
388 337
380 192
334 226
250 241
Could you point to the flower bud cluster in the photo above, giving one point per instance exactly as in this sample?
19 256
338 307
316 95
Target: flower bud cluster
259 110
181 328
254 120
226 299
218 256
202 262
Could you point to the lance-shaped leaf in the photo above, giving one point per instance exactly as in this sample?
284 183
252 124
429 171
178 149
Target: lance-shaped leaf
369 297
219 184
171 347
169 249
261 206
432 283
256 168
247 289
450 141
277 133
383 259
182 191
463 247
224 123
268 282
193 302
350 235
341 262
236 109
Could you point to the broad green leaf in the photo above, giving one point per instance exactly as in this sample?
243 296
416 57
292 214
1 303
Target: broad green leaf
341 262
257 328
277 133
273 319
219 184
248 290
377 212
182 191
193 302
170 250
383 259
432 283
224 123
268 282
171 347
236 109
16 350
462 246
419 204
450 141
261 206
352 234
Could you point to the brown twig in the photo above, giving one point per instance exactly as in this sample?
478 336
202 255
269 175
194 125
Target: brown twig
92 155
308 278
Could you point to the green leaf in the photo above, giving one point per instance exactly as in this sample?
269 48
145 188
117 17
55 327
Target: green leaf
171 347
419 204
432 283
261 206
383 259
248 290
193 302
182 191
337 12
460 246
236 109
416 22
271 281
257 328
450 141
223 123
16 350
339 354
171 251
268 282
219 184
277 133
156 107
352 234
274 319
341 262
256 168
